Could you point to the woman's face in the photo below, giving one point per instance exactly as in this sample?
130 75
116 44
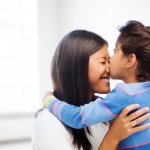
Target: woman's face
98 71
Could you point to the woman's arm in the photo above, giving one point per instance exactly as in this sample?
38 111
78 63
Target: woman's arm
121 127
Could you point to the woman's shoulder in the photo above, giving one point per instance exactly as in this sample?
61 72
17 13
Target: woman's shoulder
48 131
44 115
45 120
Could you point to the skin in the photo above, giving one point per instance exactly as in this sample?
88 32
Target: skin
123 67
98 72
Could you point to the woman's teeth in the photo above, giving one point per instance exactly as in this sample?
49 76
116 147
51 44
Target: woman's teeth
106 80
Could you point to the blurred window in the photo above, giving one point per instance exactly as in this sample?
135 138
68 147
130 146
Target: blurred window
19 81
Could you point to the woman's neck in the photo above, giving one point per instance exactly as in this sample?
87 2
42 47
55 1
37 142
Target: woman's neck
91 94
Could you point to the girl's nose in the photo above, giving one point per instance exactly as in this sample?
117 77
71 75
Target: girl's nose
108 69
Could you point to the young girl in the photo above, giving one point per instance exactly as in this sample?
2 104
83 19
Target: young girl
129 63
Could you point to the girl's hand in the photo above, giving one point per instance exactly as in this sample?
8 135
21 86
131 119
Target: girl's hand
124 125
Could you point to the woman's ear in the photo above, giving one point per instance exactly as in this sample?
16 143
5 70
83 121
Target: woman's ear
132 61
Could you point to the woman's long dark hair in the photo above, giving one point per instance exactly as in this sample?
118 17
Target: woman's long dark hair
70 74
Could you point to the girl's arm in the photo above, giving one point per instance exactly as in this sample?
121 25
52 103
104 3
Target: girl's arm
121 127
89 114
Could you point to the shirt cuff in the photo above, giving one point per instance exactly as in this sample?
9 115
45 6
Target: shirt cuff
47 100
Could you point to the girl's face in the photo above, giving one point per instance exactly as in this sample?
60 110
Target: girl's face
117 64
98 71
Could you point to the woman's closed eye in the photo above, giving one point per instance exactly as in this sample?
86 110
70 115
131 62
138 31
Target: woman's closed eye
103 62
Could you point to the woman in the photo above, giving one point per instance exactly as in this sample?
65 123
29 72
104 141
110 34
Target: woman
77 56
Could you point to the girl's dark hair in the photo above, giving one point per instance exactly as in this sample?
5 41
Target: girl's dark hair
70 74
135 38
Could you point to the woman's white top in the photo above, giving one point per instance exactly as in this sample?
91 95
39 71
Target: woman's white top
50 134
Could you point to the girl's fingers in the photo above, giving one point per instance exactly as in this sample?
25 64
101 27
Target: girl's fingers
138 113
129 108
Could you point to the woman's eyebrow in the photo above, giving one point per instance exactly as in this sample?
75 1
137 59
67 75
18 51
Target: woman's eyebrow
101 58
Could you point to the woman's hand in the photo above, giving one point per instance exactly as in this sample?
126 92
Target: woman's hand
124 125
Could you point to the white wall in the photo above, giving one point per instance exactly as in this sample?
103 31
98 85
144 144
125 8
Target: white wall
48 38
101 16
